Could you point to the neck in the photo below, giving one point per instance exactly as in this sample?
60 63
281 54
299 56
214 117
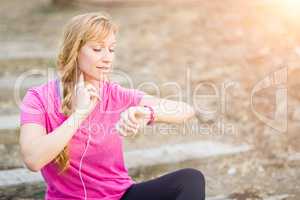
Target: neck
96 83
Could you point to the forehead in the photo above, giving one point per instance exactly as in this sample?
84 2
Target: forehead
109 40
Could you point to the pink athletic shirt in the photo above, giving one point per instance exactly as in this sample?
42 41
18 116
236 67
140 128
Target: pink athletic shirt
103 174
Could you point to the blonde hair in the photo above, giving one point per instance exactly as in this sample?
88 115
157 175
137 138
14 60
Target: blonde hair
79 30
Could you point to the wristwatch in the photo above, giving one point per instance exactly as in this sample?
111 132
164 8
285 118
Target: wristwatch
151 120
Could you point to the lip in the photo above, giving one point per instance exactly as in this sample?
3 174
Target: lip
102 67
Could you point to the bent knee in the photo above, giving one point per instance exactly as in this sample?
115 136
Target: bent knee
191 175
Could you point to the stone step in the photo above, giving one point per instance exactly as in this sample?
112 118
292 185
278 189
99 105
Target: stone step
9 122
20 183
28 183
9 144
11 82
174 153
25 50
9 129
13 88
15 67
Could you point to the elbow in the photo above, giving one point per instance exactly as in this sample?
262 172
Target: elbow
31 165
29 160
34 168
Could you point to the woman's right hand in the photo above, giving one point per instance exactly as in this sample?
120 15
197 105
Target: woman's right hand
86 97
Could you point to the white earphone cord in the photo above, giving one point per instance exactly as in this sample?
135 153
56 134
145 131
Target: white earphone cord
80 165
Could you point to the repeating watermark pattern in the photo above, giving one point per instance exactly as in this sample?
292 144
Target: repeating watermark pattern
277 79
210 107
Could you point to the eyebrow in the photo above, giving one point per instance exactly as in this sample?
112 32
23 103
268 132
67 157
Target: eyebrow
102 43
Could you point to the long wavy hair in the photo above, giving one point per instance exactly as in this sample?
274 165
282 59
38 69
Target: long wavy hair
79 30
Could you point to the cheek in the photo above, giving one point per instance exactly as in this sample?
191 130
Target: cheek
86 60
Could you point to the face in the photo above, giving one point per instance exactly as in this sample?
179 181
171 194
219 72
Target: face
95 59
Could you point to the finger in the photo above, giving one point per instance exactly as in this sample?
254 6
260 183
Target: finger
134 134
93 94
131 116
91 87
125 119
120 130
128 123
93 102
127 128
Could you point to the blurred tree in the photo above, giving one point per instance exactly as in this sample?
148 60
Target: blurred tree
99 2
62 2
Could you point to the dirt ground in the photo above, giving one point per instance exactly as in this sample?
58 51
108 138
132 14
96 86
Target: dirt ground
242 177
216 42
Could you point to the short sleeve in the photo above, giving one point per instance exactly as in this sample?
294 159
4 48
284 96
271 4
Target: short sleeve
32 110
129 96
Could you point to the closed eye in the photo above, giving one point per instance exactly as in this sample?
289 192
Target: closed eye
98 50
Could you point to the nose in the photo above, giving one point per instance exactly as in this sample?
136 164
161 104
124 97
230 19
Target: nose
106 62
107 57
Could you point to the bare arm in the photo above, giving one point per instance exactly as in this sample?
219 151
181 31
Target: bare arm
168 111
38 148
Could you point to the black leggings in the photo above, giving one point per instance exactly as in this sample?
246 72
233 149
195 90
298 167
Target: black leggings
183 184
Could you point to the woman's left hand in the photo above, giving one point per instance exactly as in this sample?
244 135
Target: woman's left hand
131 120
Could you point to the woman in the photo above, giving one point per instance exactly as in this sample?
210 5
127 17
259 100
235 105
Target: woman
72 126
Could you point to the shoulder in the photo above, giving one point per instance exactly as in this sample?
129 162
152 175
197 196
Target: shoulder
125 95
114 85
118 89
40 94
114 88
36 103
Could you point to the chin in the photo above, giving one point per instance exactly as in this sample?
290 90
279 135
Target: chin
100 77
96 75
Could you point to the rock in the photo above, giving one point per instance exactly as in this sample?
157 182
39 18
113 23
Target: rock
232 171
